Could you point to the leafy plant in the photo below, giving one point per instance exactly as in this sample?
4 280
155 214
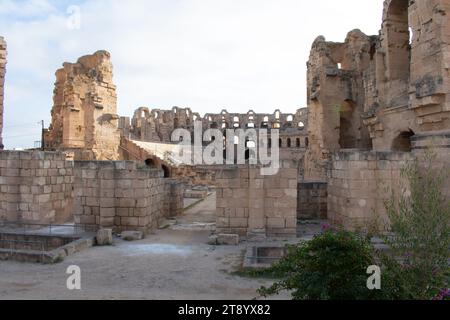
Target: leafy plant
332 266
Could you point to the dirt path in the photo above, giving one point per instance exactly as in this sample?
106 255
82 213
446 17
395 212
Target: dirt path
174 263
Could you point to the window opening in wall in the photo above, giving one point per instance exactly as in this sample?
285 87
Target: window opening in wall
403 141
150 163
166 171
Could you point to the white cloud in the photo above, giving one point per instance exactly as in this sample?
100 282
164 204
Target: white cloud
204 54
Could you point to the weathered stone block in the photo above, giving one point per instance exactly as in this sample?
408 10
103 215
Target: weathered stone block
104 237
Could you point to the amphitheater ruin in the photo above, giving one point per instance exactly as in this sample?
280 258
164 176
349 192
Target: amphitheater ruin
374 104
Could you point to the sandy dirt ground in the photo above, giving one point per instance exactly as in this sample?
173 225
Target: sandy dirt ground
173 263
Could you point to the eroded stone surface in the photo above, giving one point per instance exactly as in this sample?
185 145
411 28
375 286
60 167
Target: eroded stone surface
104 237
84 114
376 92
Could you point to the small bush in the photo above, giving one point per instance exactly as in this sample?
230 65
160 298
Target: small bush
332 266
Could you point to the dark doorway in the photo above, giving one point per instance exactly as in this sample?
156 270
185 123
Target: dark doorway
150 163
403 142
166 171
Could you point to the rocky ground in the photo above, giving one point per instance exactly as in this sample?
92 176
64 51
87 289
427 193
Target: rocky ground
175 262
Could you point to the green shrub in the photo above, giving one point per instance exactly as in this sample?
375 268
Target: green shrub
332 266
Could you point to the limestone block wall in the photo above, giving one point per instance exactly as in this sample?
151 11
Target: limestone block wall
436 144
174 203
35 187
123 196
312 200
2 83
250 203
359 183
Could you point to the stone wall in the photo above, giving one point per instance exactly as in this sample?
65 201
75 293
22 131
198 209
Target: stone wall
174 198
436 145
2 83
251 204
359 183
162 155
84 113
35 187
123 195
312 200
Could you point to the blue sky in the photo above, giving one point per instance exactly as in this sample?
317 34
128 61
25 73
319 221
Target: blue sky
203 54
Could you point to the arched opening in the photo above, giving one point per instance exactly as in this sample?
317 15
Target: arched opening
166 171
307 142
398 40
298 144
150 163
289 143
301 125
280 143
348 126
251 144
403 141
214 125
277 115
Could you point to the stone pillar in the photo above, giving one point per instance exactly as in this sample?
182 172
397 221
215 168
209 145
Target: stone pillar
257 219
250 204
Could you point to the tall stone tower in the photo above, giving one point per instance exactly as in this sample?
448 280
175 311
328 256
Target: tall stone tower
2 83
389 92
84 114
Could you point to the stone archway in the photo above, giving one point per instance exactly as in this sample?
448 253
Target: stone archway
398 40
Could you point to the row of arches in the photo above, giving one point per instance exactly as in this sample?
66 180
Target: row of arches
151 163
296 143
263 125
